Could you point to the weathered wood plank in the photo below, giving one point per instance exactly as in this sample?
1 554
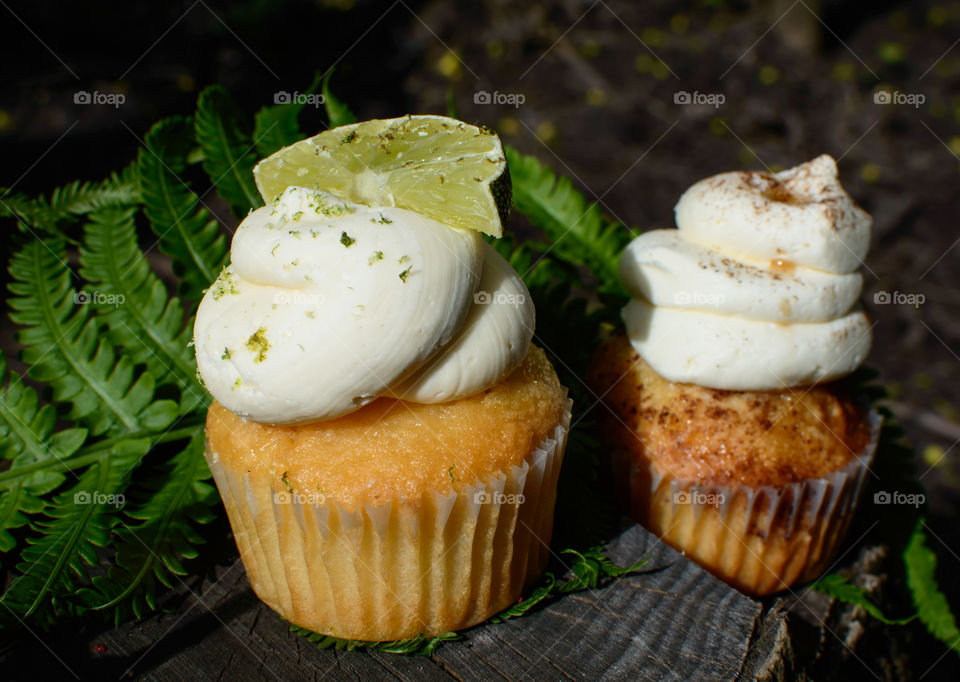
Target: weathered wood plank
673 621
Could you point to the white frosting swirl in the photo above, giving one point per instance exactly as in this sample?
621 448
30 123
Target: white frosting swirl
328 305
756 289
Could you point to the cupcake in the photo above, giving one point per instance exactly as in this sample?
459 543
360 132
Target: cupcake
732 436
384 436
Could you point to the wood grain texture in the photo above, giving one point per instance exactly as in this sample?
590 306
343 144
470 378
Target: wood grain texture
670 621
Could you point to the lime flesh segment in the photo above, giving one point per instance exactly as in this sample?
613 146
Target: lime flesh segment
439 167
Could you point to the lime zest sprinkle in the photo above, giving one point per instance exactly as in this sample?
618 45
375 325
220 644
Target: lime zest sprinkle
374 257
346 240
224 285
257 343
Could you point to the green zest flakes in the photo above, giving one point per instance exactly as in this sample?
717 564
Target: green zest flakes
336 210
346 239
223 285
403 275
226 354
257 343
374 257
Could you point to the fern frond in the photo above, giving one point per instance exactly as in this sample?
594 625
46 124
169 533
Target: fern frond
73 199
184 229
64 347
144 321
27 437
837 586
576 228
933 610
77 523
179 498
277 126
338 113
228 152
421 645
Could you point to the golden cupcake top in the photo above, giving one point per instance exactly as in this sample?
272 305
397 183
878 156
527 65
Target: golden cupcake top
753 438
393 451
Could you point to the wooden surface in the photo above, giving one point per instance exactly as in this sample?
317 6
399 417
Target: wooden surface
671 621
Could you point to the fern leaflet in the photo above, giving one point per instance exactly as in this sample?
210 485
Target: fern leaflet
338 113
64 347
143 320
184 229
76 524
228 153
178 498
932 607
578 232
277 126
27 437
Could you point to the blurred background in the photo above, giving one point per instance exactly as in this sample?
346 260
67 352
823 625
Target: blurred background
632 101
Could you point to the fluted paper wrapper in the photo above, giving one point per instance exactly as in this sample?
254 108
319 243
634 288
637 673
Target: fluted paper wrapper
396 570
759 539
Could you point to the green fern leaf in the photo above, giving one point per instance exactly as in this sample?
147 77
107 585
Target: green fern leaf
27 437
277 126
932 607
838 587
64 347
77 523
184 229
338 113
147 324
163 536
421 645
222 134
74 199
577 230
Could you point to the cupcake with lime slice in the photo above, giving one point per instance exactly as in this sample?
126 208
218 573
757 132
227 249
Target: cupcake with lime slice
385 438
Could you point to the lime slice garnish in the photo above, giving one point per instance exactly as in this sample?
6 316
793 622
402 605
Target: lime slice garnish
439 167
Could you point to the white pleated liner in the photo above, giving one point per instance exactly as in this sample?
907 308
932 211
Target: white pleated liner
819 508
391 571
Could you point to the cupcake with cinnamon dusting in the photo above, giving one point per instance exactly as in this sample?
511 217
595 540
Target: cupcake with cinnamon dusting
731 437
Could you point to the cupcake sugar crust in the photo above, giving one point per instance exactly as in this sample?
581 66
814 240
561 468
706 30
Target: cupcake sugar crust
393 451
754 438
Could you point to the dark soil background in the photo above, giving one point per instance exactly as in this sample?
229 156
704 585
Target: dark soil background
599 83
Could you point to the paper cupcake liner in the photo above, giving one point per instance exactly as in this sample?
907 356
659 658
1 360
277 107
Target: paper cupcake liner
396 570
759 539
